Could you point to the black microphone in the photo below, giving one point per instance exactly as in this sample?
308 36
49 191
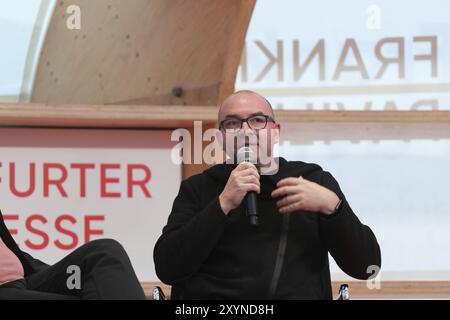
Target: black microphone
246 154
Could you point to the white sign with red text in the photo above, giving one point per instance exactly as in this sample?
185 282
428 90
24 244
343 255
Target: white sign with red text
60 188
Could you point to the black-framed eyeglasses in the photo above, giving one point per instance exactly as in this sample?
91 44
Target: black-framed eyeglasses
256 122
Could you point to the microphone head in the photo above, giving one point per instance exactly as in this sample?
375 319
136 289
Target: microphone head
246 154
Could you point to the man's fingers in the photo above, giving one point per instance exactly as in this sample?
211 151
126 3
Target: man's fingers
245 165
291 181
279 192
245 171
297 205
249 171
288 209
251 187
250 179
288 200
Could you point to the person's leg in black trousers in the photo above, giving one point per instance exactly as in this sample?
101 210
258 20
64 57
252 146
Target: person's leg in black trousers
17 290
106 273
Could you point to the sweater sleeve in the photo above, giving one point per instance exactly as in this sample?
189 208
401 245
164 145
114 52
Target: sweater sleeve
352 244
189 237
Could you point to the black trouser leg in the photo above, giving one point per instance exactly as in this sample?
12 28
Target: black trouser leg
106 273
17 290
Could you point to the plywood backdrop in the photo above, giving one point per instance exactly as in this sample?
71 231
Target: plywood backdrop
139 51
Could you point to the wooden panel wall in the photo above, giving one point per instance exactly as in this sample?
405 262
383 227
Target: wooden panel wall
138 51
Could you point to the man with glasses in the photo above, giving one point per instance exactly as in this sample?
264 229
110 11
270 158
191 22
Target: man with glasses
208 249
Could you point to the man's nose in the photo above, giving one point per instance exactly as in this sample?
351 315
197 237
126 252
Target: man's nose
246 130
248 133
245 126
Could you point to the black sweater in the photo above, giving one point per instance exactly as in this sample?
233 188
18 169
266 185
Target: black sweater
205 254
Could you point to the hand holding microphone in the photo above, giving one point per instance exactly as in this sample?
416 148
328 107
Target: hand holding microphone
243 179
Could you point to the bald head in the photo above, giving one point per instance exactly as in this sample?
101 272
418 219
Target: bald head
243 104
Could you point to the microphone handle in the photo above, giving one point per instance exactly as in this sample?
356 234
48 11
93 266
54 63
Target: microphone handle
252 208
